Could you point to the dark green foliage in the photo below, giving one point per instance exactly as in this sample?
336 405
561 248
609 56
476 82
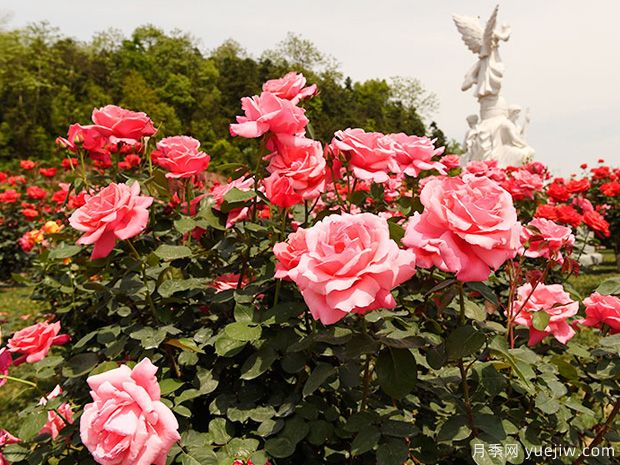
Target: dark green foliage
47 80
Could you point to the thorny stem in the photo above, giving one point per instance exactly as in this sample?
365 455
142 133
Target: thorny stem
602 432
366 375
463 370
467 399
148 298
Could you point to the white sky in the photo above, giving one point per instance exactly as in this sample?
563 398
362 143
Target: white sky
562 61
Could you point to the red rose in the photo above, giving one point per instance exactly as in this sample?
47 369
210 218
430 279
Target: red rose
48 172
596 223
27 164
610 189
557 190
578 186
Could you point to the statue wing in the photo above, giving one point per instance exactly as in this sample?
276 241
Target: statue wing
487 38
471 32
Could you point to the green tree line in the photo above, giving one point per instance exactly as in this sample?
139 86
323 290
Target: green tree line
48 80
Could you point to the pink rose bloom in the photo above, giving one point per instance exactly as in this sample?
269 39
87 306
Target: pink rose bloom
93 139
414 154
469 226
123 125
127 424
55 423
297 168
180 155
115 212
486 168
228 281
218 192
290 87
546 239
5 363
268 113
451 161
289 253
522 184
602 310
583 204
551 299
34 342
370 155
348 264
6 438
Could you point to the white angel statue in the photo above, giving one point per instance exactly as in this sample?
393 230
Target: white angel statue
487 73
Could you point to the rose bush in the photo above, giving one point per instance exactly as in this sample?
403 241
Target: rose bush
364 302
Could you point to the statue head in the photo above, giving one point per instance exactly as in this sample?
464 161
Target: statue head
514 111
472 120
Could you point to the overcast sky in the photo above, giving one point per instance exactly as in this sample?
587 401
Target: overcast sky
562 61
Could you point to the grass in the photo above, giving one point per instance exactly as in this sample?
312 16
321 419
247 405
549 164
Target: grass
589 279
16 312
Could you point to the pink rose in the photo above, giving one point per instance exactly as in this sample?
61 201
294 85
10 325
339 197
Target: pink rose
522 184
267 112
369 155
228 281
469 226
6 438
486 168
34 342
602 310
180 156
552 300
414 154
93 139
5 363
218 193
127 423
290 87
55 423
348 264
451 161
289 253
115 212
297 168
546 239
123 125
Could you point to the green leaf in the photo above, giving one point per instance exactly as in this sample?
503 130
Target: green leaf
475 311
64 251
150 338
318 376
397 232
396 372
464 341
392 453
169 385
218 428
228 347
184 225
540 320
610 286
498 346
169 287
242 331
365 440
172 252
280 447
485 291
236 198
258 363
80 364
31 425
547 404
